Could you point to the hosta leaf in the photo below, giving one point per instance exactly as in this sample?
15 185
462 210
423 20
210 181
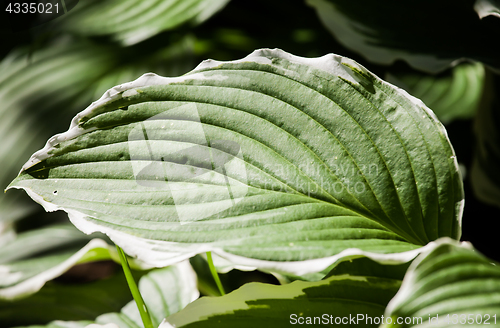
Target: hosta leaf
446 284
266 161
165 292
130 22
455 94
38 256
429 35
256 304
486 8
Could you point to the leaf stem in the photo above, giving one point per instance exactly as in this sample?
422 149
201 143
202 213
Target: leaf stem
214 273
143 310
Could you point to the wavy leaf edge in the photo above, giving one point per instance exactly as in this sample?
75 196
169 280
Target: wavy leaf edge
154 258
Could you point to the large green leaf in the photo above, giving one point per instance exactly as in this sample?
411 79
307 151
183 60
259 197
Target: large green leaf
267 161
165 292
449 285
130 22
455 94
347 298
429 35
38 256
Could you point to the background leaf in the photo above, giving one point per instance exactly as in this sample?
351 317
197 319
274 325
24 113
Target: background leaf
485 178
165 291
40 93
365 291
68 301
27 88
130 22
40 241
426 34
450 279
454 94
38 256
65 324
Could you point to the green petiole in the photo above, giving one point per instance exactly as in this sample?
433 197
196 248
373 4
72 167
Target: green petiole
214 273
143 310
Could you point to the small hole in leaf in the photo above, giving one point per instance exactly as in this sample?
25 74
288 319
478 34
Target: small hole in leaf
55 192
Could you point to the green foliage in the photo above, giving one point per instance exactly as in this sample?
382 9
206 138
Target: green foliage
428 35
451 283
68 301
37 256
378 184
165 291
448 282
334 183
266 305
484 172
128 22
455 94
